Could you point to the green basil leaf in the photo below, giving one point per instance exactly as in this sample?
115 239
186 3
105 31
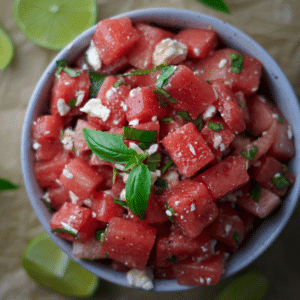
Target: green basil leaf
115 173
236 62
153 161
106 254
60 64
63 230
167 119
118 83
96 81
121 203
161 100
145 146
216 4
215 126
71 72
166 73
172 259
108 146
255 191
199 123
280 119
166 166
160 184
135 161
144 136
48 205
72 103
164 93
280 181
251 153
137 190
242 104
100 235
184 115
237 238
7 185
143 72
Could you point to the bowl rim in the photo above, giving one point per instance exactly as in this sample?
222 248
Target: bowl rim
199 19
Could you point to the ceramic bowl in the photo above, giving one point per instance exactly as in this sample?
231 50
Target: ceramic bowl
275 84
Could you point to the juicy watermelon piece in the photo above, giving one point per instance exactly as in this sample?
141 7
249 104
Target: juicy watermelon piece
142 80
129 242
225 176
114 38
117 187
75 218
200 42
47 149
141 55
169 127
92 249
58 196
188 149
80 178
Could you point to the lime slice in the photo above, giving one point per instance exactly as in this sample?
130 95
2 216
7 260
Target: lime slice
48 265
54 23
6 49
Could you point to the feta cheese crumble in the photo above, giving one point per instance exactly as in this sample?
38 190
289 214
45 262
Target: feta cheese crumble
192 149
134 122
222 63
74 198
68 138
95 108
67 174
210 111
140 278
93 57
36 145
68 227
79 97
62 107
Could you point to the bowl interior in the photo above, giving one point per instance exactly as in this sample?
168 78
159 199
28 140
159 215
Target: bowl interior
275 85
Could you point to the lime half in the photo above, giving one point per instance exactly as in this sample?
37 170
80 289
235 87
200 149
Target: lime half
54 23
48 265
6 49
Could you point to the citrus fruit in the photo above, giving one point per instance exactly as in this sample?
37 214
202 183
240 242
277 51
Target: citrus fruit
54 23
48 265
6 49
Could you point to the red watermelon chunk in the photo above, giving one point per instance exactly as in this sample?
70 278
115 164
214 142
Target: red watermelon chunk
225 176
47 149
80 178
75 218
92 249
188 149
191 92
218 66
200 42
114 38
129 242
141 55
142 80
58 196
168 127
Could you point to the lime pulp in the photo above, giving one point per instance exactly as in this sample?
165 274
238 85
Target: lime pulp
6 49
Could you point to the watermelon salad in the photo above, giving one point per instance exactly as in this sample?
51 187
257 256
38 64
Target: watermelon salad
159 152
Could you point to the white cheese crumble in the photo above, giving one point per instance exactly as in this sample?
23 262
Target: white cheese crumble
123 195
79 97
153 148
169 51
140 279
222 63
94 215
216 94
74 198
93 58
135 147
154 118
289 133
168 213
134 122
192 149
125 177
87 202
67 174
36 145
62 107
124 106
68 138
196 51
217 141
154 176
193 207
209 112
277 175
95 108
119 167
46 197
68 227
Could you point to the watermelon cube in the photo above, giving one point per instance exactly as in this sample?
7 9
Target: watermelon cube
47 149
92 249
58 196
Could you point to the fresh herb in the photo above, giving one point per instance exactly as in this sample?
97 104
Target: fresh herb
280 119
172 259
48 205
115 173
208 81
62 65
100 235
96 80
162 92
143 72
242 104
153 161
184 115
135 161
160 184
255 191
137 190
144 136
72 103
145 146
7 185
236 62
121 203
169 212
167 119
216 4
280 181
199 123
63 230
166 73
118 83
215 126
106 254
237 237
251 153
166 166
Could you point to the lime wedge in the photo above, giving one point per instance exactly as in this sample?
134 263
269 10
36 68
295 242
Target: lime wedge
48 265
6 49
54 23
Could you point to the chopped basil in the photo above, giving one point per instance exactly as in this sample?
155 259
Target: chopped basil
184 115
144 136
48 205
208 81
215 126
251 153
96 81
153 161
115 173
237 238
280 119
166 166
100 235
106 254
169 212
236 62
166 73
280 181
72 103
162 92
62 65
161 100
121 203
7 185
144 146
167 119
216 4
71 72
143 72
160 184
242 104
63 230
172 259
118 83
255 191
135 161
199 123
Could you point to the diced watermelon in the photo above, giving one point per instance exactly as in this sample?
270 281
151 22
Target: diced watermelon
118 266
225 176
164 273
92 249
199 41
141 55
142 80
240 141
80 178
218 65
188 149
117 67
58 196
74 218
169 127
129 242
117 187
114 38
47 149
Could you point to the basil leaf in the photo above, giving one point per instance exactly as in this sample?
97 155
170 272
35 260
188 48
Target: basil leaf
215 126
166 166
145 146
115 173
7 185
242 104
137 190
160 184
216 4
144 136
71 72
135 161
108 146
255 192
60 64
118 83
72 103
143 72
153 161
280 181
63 230
236 62
172 259
164 93
96 81
169 212
251 153
237 238
199 123
121 203
184 115
280 119
100 235
48 205
106 254
166 73
167 119
161 100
